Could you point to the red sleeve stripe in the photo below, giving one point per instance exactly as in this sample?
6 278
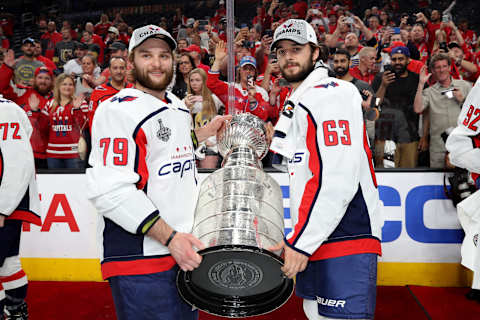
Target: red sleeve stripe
368 151
312 187
346 248
136 267
17 275
140 158
27 216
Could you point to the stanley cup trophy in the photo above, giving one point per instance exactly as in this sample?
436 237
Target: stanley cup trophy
239 214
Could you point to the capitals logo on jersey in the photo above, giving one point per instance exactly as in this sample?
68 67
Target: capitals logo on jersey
123 99
163 133
333 84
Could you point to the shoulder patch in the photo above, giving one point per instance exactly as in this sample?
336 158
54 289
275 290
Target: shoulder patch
332 84
123 99
100 88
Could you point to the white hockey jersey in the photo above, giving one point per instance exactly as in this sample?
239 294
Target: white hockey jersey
142 166
18 188
334 201
463 143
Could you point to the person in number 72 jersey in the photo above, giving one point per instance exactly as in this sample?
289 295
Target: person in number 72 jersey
334 202
463 145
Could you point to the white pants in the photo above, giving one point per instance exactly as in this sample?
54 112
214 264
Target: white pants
310 307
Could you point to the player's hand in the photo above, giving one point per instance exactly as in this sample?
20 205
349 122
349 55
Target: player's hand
2 221
295 262
181 249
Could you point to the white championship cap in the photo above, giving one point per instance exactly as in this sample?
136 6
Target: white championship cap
299 31
151 31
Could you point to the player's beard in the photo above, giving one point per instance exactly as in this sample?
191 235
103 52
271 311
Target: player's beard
340 71
302 74
144 79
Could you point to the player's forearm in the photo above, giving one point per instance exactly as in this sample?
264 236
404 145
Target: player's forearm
160 231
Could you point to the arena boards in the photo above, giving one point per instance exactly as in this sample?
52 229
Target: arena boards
421 234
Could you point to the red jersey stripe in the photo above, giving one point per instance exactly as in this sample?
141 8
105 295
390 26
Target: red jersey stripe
346 248
312 187
368 151
18 275
140 162
136 267
26 216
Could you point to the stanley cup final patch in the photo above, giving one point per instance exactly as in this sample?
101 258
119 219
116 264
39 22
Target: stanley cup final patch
163 133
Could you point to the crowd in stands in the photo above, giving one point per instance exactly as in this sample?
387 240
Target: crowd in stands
413 71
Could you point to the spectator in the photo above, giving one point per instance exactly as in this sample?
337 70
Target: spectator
66 25
432 26
196 53
400 86
341 61
97 46
248 96
86 81
50 39
112 36
468 70
102 26
468 35
351 41
374 26
365 70
117 81
24 68
64 49
66 121
116 49
32 100
204 106
417 35
440 105
74 66
185 64
182 44
37 53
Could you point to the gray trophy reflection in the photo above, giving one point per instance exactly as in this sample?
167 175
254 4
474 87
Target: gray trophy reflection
239 213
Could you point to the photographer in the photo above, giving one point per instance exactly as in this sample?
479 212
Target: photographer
440 105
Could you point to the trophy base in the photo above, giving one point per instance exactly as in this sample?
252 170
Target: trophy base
236 281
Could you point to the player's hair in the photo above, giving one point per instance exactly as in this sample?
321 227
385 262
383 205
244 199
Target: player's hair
56 89
209 109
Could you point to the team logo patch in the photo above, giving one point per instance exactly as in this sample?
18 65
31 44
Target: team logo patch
333 84
475 239
163 133
123 99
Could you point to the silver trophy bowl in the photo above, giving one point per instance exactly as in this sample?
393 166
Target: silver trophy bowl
239 215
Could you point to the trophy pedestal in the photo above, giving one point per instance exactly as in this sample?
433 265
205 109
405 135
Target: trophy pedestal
236 281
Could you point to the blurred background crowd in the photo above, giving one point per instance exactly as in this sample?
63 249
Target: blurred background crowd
413 62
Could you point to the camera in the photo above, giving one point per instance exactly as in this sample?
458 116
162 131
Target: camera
283 83
349 20
448 93
445 18
249 44
272 57
268 33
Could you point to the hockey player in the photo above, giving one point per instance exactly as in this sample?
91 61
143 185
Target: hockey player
19 202
463 145
143 184
336 213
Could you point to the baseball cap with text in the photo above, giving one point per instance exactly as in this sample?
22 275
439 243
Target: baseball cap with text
139 35
299 31
248 60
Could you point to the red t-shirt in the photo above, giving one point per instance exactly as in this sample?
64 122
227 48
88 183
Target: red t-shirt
367 77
